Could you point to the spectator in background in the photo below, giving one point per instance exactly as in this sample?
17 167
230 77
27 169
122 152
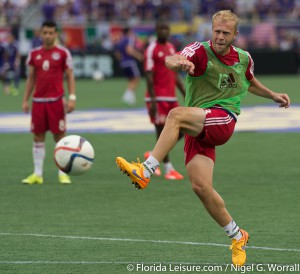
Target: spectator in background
128 56
204 29
106 42
287 41
106 10
36 39
286 7
11 12
49 10
208 7
241 42
264 35
245 8
188 8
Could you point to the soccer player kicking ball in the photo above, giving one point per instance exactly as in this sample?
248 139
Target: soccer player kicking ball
218 77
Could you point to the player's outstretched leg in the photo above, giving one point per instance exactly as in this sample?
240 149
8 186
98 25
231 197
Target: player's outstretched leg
238 248
135 171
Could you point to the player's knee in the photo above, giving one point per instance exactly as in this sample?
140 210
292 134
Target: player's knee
58 137
201 189
38 138
174 115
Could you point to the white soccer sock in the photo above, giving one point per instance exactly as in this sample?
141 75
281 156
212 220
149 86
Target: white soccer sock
150 165
129 96
129 91
38 152
233 231
60 172
168 167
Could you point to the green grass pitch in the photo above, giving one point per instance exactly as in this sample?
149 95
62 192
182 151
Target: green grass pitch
100 223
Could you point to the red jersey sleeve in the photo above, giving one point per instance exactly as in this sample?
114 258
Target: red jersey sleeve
29 60
68 59
149 57
250 68
196 53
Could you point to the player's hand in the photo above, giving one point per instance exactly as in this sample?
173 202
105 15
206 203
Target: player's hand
25 107
283 100
71 105
186 66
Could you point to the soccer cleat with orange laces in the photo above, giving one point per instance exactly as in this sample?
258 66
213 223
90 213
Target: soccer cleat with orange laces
238 249
173 175
135 171
157 171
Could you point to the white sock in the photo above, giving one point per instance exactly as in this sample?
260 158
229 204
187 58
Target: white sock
38 152
60 172
168 167
130 91
129 96
150 165
233 231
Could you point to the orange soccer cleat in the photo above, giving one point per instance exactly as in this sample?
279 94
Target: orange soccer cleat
135 171
173 175
238 249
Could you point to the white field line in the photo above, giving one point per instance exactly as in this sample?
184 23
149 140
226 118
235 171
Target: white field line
141 240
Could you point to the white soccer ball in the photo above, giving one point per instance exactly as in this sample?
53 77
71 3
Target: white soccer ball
74 155
98 75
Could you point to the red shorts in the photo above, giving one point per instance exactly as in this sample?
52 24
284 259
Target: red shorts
218 128
48 116
163 108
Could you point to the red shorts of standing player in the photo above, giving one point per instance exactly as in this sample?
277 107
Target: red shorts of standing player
48 116
163 108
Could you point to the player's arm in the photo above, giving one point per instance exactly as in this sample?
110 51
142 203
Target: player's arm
29 86
257 88
130 50
71 89
178 62
18 60
150 88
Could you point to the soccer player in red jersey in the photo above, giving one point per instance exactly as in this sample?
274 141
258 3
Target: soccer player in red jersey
47 66
219 75
161 88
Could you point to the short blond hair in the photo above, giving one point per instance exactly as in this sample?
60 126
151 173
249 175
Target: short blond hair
226 15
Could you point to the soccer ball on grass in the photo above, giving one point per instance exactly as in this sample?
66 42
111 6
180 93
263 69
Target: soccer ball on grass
98 75
74 155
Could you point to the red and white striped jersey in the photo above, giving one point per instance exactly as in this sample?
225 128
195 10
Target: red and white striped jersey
164 79
49 66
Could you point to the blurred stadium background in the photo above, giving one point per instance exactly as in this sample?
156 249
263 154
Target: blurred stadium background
100 224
